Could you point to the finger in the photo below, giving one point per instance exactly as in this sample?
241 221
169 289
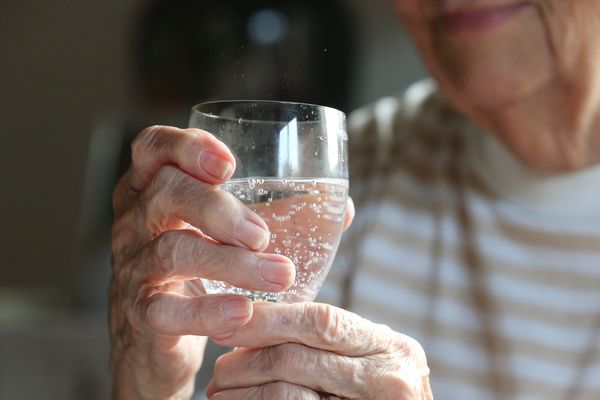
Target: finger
175 196
195 151
185 254
316 325
167 313
274 390
319 370
350 212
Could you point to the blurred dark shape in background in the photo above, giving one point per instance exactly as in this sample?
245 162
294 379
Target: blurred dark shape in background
299 50
79 80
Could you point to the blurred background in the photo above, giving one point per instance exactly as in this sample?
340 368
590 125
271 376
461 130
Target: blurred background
78 79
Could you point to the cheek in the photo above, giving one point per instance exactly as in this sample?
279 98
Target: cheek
487 68
574 29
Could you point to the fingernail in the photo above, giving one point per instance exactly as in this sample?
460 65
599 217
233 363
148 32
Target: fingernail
237 308
215 166
276 272
251 234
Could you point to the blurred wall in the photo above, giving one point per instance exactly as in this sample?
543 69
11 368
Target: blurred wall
66 70
64 66
63 63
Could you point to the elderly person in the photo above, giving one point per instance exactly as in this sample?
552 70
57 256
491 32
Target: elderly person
477 234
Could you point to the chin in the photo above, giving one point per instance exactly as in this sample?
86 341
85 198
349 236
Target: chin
494 67
491 87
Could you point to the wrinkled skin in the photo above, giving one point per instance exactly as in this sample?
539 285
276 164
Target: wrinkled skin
532 80
174 226
315 351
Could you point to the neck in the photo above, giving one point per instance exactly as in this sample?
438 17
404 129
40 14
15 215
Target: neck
557 129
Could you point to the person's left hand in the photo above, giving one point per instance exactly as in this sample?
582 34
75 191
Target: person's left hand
317 351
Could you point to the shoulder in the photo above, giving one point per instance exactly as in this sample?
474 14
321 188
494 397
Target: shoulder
417 126
381 113
421 109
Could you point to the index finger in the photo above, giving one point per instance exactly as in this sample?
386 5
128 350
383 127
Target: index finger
194 151
320 326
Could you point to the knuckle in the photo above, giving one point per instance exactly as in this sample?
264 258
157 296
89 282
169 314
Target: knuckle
239 261
218 201
159 186
158 195
270 359
328 323
411 351
207 195
145 141
167 177
416 348
165 251
278 391
171 183
409 370
154 317
284 357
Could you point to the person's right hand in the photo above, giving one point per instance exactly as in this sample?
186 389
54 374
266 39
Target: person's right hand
173 226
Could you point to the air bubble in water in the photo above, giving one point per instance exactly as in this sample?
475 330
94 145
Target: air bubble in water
293 231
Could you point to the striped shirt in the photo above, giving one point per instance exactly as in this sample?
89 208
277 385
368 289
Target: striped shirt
493 268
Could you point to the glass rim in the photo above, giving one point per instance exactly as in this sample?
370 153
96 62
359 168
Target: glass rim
196 109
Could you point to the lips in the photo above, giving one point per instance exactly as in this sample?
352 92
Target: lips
479 18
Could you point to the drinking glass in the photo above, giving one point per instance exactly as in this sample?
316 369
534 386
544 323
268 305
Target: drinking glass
292 170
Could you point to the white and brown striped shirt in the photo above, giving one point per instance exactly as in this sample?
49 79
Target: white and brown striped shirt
494 269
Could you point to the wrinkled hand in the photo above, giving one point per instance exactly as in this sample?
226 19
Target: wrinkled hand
316 351
173 226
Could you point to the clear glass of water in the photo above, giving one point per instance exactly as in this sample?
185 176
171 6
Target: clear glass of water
292 169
